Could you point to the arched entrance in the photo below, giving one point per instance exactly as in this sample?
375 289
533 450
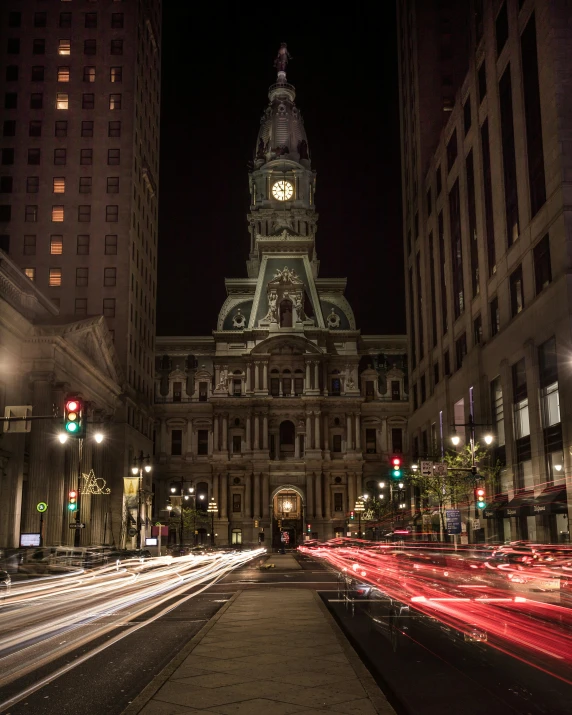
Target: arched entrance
287 517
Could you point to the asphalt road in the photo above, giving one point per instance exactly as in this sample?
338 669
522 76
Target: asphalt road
439 674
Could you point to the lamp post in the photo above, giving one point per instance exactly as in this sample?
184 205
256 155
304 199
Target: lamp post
140 463
455 439
212 509
185 494
359 508
63 438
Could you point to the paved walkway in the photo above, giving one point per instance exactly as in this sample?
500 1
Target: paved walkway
283 562
276 651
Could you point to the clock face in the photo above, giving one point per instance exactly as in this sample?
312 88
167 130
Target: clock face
282 190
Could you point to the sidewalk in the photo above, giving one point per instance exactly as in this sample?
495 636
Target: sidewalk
276 651
283 562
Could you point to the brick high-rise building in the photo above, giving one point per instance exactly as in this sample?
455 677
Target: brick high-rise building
486 165
79 165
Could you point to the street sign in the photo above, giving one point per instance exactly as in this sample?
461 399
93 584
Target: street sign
15 418
453 521
476 523
440 469
77 526
42 507
426 468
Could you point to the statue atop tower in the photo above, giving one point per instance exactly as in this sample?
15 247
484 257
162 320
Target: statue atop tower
281 61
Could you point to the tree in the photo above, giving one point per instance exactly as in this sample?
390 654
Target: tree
193 519
457 488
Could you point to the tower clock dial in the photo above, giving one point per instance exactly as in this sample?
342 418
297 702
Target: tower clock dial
282 190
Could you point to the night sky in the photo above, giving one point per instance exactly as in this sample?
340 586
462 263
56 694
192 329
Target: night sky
217 66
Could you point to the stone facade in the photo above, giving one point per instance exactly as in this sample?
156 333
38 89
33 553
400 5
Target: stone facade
43 360
287 412
486 239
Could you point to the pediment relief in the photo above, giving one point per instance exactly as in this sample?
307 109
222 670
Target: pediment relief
92 338
203 375
395 374
290 345
177 374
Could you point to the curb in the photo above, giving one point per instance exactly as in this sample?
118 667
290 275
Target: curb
378 699
139 702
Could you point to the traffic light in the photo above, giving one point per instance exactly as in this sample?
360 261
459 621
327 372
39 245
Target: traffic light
352 515
74 421
396 468
308 528
480 497
72 500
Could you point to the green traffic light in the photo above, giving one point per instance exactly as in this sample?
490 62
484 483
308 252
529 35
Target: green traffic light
72 507
71 426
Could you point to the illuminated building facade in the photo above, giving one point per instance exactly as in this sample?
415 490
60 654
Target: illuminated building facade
286 414
486 231
79 166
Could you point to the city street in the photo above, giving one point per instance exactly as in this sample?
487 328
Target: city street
443 666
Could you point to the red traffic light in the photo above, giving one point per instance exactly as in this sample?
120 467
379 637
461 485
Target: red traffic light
72 406
396 461
480 492
72 494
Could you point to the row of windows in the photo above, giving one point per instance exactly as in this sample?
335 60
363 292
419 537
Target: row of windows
58 184
63 48
63 74
82 245
62 101
40 19
81 276
60 156
31 213
542 278
60 130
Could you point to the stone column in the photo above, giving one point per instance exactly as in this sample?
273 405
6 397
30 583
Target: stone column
256 431
41 438
308 384
257 495
223 495
256 375
309 431
326 436
317 441
215 433
325 378
215 490
163 440
316 375
248 497
277 445
309 496
349 441
351 491
318 495
190 437
265 377
225 433
297 446
359 485
248 378
265 432
358 433
217 375
248 430
265 495
327 497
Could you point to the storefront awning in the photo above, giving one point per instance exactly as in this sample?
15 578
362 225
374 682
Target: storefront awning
550 501
514 507
493 509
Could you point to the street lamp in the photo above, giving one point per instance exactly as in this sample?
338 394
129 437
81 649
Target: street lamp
212 509
184 497
359 508
140 463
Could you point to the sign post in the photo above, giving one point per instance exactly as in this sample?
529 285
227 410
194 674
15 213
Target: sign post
41 507
426 468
